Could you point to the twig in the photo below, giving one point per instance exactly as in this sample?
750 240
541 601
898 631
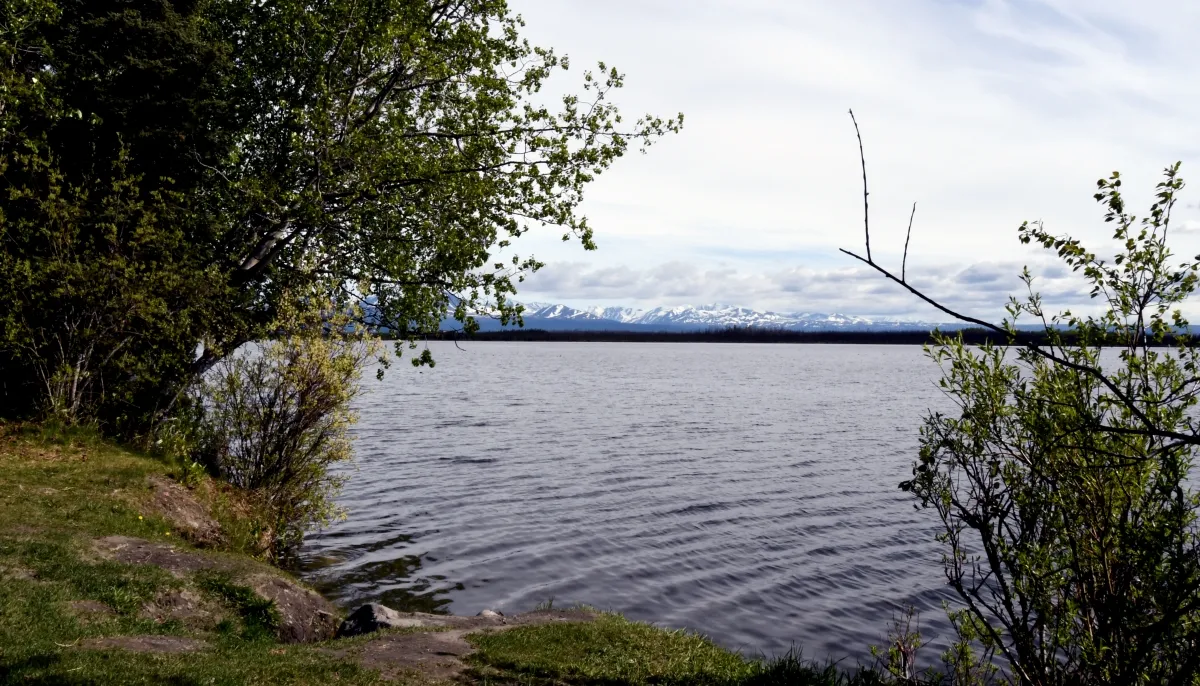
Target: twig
907 236
866 211
1150 429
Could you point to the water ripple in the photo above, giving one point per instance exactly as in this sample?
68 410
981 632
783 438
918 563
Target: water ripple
745 491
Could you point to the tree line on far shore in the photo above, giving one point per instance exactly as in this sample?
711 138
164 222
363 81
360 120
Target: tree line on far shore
765 334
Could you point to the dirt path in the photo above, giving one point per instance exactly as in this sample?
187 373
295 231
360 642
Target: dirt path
438 653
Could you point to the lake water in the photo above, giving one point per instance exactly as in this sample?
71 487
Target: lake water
748 492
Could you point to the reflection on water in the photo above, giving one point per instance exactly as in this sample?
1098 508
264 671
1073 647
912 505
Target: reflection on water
745 491
406 589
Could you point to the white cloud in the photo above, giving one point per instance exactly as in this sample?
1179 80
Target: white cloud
979 289
988 113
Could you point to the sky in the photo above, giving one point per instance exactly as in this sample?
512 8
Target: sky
986 113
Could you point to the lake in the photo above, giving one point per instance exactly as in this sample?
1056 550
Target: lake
748 492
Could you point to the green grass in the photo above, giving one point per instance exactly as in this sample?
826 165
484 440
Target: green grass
258 617
58 491
614 651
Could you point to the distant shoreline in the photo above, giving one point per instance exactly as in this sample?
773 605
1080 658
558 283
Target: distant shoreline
740 335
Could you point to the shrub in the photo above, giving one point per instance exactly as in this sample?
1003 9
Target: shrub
276 418
1063 481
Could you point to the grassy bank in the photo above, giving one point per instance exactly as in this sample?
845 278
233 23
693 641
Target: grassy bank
72 613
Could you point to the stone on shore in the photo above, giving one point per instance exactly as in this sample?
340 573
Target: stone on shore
374 617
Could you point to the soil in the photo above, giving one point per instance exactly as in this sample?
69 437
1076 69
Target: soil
145 644
137 551
90 610
17 572
179 506
439 654
184 606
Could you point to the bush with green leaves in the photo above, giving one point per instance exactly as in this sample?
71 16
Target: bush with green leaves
1063 479
108 110
276 418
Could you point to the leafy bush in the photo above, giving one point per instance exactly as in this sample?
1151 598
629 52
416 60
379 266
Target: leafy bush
1063 481
276 419
108 113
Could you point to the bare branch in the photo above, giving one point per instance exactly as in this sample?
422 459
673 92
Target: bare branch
1150 428
907 236
866 211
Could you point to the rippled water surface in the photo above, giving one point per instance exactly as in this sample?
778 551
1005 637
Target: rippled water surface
745 491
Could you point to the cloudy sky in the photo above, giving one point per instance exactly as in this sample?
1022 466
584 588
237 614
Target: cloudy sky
984 112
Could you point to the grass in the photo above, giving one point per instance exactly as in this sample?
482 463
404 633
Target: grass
258 617
613 650
59 490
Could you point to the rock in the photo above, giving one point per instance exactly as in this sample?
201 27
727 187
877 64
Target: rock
184 606
373 617
179 506
491 614
305 616
145 644
90 610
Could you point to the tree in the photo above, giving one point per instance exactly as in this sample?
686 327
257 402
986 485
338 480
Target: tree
105 108
402 145
1062 483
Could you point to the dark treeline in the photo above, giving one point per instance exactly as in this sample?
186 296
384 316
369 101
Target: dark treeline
745 334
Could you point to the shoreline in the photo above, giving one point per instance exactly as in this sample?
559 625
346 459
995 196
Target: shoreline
112 571
752 335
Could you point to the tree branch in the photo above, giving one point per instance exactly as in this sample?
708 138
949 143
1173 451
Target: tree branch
866 211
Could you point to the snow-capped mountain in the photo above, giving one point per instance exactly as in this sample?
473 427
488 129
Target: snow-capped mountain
685 317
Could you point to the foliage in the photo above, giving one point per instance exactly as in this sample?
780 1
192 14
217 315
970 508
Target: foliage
106 108
407 143
277 418
899 660
1063 482
174 166
901 664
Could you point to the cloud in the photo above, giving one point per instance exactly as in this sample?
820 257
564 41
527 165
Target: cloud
985 273
988 113
980 289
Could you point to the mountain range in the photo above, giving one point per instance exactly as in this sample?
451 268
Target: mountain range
555 317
